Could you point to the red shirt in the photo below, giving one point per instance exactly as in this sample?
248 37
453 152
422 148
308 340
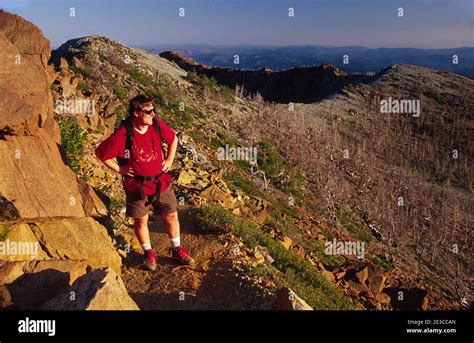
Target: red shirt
146 152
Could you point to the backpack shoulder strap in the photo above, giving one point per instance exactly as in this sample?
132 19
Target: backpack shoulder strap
127 123
156 125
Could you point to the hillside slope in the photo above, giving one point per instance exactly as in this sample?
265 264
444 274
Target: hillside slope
288 205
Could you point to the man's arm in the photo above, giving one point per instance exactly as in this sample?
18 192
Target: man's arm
122 170
166 165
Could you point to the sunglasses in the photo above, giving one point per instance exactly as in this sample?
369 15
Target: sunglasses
149 111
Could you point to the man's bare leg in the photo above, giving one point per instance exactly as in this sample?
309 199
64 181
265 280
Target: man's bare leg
143 235
141 229
172 228
171 224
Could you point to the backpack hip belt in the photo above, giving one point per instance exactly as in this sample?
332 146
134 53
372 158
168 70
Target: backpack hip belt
154 178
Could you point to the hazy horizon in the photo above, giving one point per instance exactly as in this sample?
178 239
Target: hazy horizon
426 24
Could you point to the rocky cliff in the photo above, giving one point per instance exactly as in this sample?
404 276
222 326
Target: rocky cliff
49 237
301 84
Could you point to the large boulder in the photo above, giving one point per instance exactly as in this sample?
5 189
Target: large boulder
78 239
19 244
73 238
32 283
100 289
34 178
25 102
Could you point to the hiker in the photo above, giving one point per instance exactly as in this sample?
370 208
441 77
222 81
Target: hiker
136 144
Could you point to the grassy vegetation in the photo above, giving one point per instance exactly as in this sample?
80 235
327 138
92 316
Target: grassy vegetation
198 137
178 114
72 141
138 76
155 94
235 180
121 94
295 272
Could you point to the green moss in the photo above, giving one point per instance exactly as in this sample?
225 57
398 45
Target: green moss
72 141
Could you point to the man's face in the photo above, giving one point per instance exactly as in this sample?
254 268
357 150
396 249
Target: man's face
145 115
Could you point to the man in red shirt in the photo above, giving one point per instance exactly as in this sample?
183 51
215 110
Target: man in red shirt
144 177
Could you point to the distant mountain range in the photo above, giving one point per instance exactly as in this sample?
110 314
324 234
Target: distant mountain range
361 59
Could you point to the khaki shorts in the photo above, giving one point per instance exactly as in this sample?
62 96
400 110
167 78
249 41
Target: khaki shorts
137 208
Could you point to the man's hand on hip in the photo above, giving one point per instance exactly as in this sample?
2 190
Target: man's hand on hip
166 165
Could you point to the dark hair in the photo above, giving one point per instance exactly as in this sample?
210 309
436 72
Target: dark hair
136 104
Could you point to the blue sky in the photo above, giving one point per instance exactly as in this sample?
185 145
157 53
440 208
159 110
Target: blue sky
370 23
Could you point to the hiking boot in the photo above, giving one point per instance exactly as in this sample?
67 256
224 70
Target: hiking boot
151 259
182 255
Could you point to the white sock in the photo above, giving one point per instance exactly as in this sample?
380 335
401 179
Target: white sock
146 246
175 242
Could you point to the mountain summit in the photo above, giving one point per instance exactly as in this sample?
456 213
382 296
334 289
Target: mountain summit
346 207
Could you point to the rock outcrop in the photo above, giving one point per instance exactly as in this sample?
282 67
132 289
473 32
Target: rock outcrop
25 102
47 234
101 289
301 84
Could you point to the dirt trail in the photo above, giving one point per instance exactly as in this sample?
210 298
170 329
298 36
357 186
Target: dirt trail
211 284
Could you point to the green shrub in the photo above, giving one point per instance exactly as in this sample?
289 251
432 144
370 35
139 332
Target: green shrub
212 219
119 115
198 137
235 180
83 87
275 167
80 70
116 205
72 141
121 94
